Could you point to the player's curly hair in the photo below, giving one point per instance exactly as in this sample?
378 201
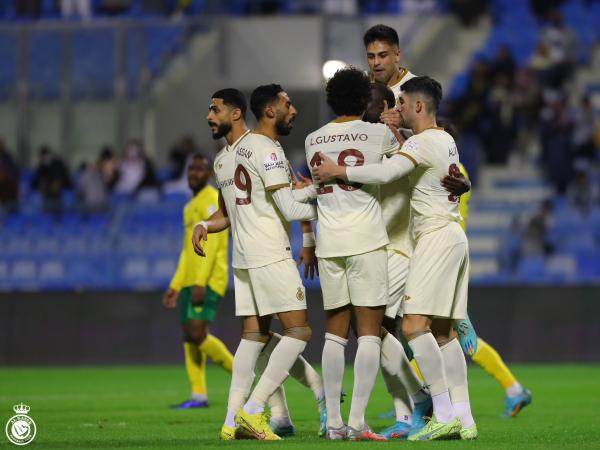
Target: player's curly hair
430 89
348 92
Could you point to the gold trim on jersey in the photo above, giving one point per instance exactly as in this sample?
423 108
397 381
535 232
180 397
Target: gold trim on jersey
276 186
414 161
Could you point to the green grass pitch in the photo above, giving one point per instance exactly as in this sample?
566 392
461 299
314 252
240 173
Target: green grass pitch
127 407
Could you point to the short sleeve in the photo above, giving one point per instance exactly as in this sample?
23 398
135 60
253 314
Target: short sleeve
273 168
390 144
411 150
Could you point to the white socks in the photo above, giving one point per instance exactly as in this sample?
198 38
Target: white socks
514 389
242 377
402 401
456 373
366 366
395 363
277 402
430 361
281 360
306 375
333 361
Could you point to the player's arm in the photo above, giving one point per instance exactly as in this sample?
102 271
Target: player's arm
218 221
307 253
390 169
274 174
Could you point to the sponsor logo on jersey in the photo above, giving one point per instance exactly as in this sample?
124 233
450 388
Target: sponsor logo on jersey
273 156
226 183
406 298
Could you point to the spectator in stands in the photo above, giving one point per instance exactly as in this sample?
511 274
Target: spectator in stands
500 138
561 43
556 127
178 157
542 65
91 189
51 179
108 166
536 232
504 64
136 172
585 124
9 180
76 8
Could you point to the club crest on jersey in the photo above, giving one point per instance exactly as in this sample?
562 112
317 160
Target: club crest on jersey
300 294
20 428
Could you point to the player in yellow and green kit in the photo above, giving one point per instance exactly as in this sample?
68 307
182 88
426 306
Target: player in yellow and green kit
199 284
482 353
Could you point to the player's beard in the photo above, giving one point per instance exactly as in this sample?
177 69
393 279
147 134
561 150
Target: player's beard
283 128
222 130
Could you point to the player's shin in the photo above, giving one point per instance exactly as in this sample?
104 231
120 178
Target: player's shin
395 362
283 357
365 371
242 377
456 373
333 361
430 361
402 401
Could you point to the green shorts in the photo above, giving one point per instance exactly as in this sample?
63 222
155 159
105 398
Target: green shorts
189 311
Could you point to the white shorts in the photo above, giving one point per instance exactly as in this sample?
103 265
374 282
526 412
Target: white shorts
397 274
438 275
360 280
271 289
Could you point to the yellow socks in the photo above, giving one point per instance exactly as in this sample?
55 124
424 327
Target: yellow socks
216 350
489 360
195 365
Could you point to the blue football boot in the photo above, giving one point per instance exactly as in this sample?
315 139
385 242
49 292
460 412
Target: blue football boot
514 405
191 404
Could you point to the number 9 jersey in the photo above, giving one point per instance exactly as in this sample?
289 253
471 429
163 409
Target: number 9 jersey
261 235
350 218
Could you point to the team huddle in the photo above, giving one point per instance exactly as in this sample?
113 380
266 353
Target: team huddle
391 254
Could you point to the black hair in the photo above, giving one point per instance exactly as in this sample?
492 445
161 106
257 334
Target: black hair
348 92
232 97
200 155
381 33
386 93
262 96
428 87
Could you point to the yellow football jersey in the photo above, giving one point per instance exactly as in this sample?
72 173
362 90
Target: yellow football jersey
193 270
464 201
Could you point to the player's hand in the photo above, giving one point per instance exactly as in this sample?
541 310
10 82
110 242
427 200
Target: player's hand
390 117
198 295
302 181
327 170
200 234
309 259
456 183
170 298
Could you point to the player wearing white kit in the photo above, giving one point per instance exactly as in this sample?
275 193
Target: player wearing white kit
436 288
351 240
226 119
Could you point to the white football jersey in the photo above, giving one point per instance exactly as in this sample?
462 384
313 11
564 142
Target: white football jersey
350 220
262 235
395 196
224 167
434 154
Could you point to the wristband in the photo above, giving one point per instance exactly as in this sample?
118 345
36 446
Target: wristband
308 239
204 225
